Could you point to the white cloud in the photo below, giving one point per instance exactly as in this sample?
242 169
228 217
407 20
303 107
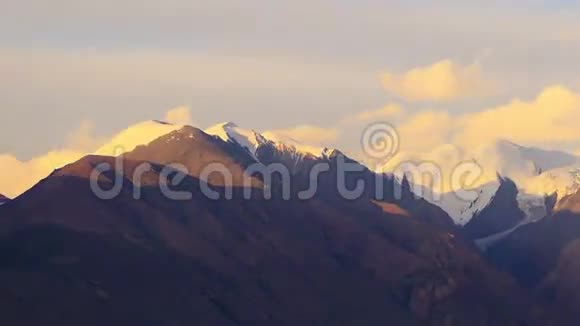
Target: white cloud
548 120
83 139
386 113
137 134
179 116
442 81
17 176
306 134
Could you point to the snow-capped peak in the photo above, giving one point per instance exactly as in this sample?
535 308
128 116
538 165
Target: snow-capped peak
251 140
520 163
459 209
536 172
229 131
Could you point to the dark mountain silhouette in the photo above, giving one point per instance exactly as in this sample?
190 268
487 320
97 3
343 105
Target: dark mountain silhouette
501 214
70 258
544 256
3 199
391 190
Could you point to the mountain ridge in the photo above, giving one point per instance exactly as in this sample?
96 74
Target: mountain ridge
238 261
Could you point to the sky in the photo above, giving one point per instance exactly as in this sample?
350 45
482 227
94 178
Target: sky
75 73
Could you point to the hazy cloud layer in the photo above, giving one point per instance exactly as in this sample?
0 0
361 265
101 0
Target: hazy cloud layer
17 176
116 62
73 74
321 136
547 121
442 81
179 116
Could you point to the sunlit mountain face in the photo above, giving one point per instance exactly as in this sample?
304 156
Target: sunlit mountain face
289 163
212 247
232 256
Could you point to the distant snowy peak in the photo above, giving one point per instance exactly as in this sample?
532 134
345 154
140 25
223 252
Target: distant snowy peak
545 160
537 173
462 210
520 163
231 132
252 140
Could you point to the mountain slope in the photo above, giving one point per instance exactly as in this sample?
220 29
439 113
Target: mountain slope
255 261
300 160
252 140
537 173
543 257
195 150
501 214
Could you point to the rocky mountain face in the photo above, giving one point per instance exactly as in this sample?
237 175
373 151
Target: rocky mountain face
501 214
529 227
300 161
73 258
537 174
544 256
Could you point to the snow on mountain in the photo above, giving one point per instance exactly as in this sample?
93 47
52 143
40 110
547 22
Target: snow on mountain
284 139
533 206
537 173
229 131
562 181
251 140
461 210
520 163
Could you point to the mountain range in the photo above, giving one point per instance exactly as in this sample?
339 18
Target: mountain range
506 258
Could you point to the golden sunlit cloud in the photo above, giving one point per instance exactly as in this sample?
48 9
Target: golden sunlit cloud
138 134
179 116
17 176
83 139
389 112
306 134
552 116
440 82
548 120
425 130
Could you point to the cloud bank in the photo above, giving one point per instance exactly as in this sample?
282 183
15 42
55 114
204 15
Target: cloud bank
442 81
549 120
17 176
306 134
